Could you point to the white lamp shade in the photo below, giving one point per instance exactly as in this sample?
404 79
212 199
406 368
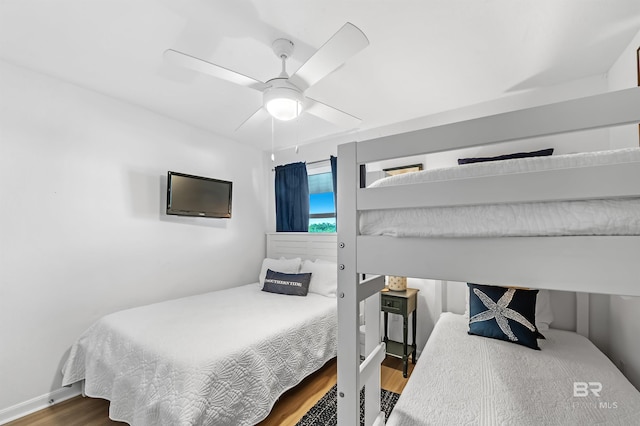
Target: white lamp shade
283 103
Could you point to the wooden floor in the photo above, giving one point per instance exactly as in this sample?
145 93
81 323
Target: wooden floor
289 409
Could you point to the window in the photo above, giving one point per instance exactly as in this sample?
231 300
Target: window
322 210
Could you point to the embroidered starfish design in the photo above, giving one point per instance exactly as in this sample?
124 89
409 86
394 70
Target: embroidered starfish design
501 313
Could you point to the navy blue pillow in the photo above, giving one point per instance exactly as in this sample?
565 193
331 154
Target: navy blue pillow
504 313
540 153
281 283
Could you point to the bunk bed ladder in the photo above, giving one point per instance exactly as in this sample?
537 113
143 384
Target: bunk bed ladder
354 373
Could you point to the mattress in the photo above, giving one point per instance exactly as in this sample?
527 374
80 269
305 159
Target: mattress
219 358
462 379
588 217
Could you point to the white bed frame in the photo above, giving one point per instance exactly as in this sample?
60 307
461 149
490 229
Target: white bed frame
599 264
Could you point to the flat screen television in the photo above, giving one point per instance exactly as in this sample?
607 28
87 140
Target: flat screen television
189 195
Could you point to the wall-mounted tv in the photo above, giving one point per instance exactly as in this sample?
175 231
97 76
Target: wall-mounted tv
189 195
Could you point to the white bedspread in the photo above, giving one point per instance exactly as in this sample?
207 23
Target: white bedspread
221 358
470 380
590 217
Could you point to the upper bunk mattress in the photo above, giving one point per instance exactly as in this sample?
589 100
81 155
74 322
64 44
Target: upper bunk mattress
583 217
218 358
462 379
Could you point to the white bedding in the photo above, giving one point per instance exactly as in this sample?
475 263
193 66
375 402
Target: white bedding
471 380
590 217
219 358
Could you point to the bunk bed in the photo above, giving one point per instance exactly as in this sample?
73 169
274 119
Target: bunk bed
222 357
585 262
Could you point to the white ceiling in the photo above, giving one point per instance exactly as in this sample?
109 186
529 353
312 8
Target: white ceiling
424 57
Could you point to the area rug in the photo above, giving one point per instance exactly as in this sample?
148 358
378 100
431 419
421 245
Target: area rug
325 412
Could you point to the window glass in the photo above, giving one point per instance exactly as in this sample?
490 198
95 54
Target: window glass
322 211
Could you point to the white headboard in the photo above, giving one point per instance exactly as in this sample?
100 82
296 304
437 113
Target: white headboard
306 245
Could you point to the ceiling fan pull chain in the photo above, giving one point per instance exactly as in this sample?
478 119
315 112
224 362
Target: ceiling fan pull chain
273 131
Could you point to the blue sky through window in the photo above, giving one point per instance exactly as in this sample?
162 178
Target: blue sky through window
321 203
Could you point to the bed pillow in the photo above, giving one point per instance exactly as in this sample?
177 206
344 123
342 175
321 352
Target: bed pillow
503 313
289 266
544 314
291 284
324 277
540 153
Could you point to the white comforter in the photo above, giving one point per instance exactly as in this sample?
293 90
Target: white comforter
590 217
470 380
221 358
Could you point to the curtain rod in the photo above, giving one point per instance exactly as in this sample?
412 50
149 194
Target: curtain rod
318 161
308 162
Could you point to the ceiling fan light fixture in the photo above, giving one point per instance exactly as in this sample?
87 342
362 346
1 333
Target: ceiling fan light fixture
283 103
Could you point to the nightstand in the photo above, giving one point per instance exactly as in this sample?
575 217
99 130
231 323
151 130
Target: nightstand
401 303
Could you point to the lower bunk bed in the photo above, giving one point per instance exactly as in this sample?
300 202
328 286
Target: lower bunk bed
220 358
463 379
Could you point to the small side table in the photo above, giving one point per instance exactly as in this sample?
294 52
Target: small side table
402 303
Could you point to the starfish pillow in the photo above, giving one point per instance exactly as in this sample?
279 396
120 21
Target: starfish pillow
503 313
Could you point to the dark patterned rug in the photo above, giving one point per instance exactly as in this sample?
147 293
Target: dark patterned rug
325 412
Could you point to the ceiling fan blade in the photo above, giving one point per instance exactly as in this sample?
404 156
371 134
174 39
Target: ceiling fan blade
200 65
257 117
331 114
348 41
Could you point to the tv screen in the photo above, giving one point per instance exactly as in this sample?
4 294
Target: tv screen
189 195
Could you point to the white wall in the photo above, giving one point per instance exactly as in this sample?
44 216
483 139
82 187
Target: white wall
82 225
624 313
623 75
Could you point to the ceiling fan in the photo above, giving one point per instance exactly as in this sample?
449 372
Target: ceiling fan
283 96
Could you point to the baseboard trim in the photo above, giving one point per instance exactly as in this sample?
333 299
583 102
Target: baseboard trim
38 403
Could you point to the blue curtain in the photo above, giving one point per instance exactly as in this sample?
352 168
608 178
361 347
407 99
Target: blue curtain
334 176
292 198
